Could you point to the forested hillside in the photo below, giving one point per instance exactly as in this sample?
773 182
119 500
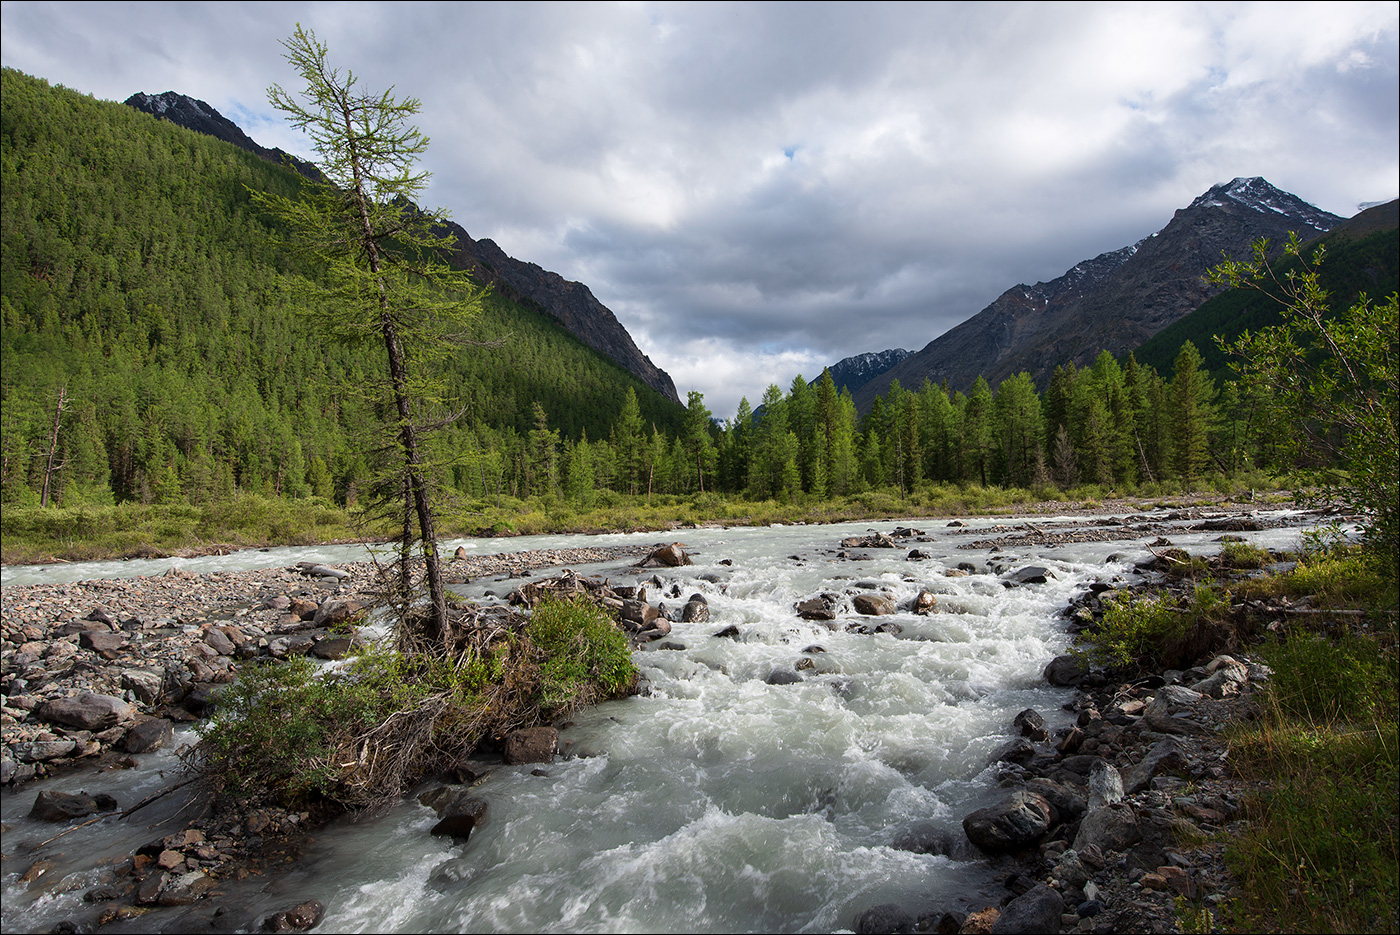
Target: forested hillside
151 350
1368 262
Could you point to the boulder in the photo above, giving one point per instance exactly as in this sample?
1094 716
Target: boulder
65 806
148 734
873 605
1035 911
1031 574
926 836
883 920
1031 725
332 647
822 607
218 641
876 540
672 556
1165 756
87 711
334 612
144 684
531 745
783 677
639 615
297 919
101 641
1066 671
925 603
39 751
303 609
1110 828
695 611
1017 821
460 817
1105 785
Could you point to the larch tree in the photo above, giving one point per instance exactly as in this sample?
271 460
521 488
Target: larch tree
385 281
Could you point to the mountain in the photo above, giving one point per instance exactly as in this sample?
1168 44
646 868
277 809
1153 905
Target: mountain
1362 255
196 115
854 372
571 303
1115 301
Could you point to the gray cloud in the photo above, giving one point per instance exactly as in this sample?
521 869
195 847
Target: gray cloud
758 190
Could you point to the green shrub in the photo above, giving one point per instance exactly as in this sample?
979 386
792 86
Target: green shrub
586 657
1325 680
1244 555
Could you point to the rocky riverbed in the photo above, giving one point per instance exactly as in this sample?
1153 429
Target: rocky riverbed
95 671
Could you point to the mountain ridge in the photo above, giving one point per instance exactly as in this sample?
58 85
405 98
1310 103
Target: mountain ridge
1114 301
571 303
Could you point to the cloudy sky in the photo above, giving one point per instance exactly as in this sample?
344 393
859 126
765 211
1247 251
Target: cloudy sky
760 190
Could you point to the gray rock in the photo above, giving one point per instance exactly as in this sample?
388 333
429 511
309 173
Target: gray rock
148 735
1016 822
1031 574
39 751
1066 670
816 608
1030 724
926 836
695 611
1166 756
144 684
872 605
87 711
1105 785
65 806
101 641
883 920
531 745
1035 911
1110 828
333 612
783 677
460 817
218 641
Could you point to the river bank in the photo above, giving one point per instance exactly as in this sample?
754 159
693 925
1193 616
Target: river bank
1123 750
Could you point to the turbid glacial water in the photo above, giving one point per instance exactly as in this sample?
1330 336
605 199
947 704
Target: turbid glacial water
714 801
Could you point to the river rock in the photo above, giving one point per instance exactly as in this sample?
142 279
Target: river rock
1066 671
1105 785
65 806
1031 574
883 920
40 751
1016 822
303 609
872 605
148 734
218 641
926 603
696 609
1165 756
672 556
297 919
332 647
821 607
101 641
1035 911
639 615
531 745
1110 828
87 711
783 677
1068 800
926 836
460 817
1031 725
144 684
333 612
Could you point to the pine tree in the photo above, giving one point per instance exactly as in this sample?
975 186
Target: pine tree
386 280
1192 391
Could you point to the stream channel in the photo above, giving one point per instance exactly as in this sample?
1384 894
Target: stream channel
712 802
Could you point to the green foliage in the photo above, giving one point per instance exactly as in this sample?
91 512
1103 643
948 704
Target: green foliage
1137 630
1325 681
1336 381
586 657
1244 555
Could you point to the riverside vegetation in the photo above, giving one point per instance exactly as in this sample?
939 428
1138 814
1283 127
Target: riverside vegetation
132 424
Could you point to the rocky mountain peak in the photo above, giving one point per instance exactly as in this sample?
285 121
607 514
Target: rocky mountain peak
194 114
1257 194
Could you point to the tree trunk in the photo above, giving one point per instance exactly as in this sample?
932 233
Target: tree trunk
53 447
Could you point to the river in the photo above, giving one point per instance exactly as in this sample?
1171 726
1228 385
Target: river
713 801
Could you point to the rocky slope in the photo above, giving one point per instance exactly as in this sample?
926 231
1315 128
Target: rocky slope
854 372
1115 301
571 303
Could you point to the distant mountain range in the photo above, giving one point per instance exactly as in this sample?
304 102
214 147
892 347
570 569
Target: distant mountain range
1114 301
571 303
